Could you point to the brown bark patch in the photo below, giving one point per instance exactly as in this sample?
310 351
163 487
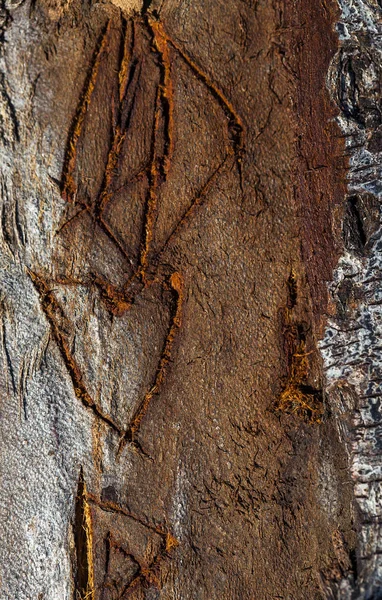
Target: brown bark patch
320 185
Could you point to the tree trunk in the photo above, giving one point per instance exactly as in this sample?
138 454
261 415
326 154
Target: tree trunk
178 418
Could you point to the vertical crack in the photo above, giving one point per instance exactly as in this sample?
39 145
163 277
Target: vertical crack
83 534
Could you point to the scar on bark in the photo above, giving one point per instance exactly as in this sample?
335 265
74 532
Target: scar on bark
68 185
196 203
113 507
236 125
297 396
128 77
53 311
111 544
151 209
177 287
118 300
83 208
164 100
83 534
147 573
141 172
160 165
160 43
127 54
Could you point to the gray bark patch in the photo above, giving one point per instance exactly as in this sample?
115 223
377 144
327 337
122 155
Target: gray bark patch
352 347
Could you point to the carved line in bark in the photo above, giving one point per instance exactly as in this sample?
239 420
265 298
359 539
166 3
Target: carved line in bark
146 573
54 313
118 300
68 186
149 271
177 285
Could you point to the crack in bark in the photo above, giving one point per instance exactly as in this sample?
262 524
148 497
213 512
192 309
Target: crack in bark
9 125
297 396
83 535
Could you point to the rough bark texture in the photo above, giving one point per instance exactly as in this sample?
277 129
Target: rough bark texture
352 343
172 188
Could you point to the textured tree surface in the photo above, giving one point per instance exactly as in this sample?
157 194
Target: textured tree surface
173 203
351 346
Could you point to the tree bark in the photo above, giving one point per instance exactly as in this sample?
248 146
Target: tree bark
179 420
351 343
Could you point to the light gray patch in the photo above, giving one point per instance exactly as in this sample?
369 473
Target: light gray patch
45 433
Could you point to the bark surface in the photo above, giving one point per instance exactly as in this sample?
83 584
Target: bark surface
172 193
351 345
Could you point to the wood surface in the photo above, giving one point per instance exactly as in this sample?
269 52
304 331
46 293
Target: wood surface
175 202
